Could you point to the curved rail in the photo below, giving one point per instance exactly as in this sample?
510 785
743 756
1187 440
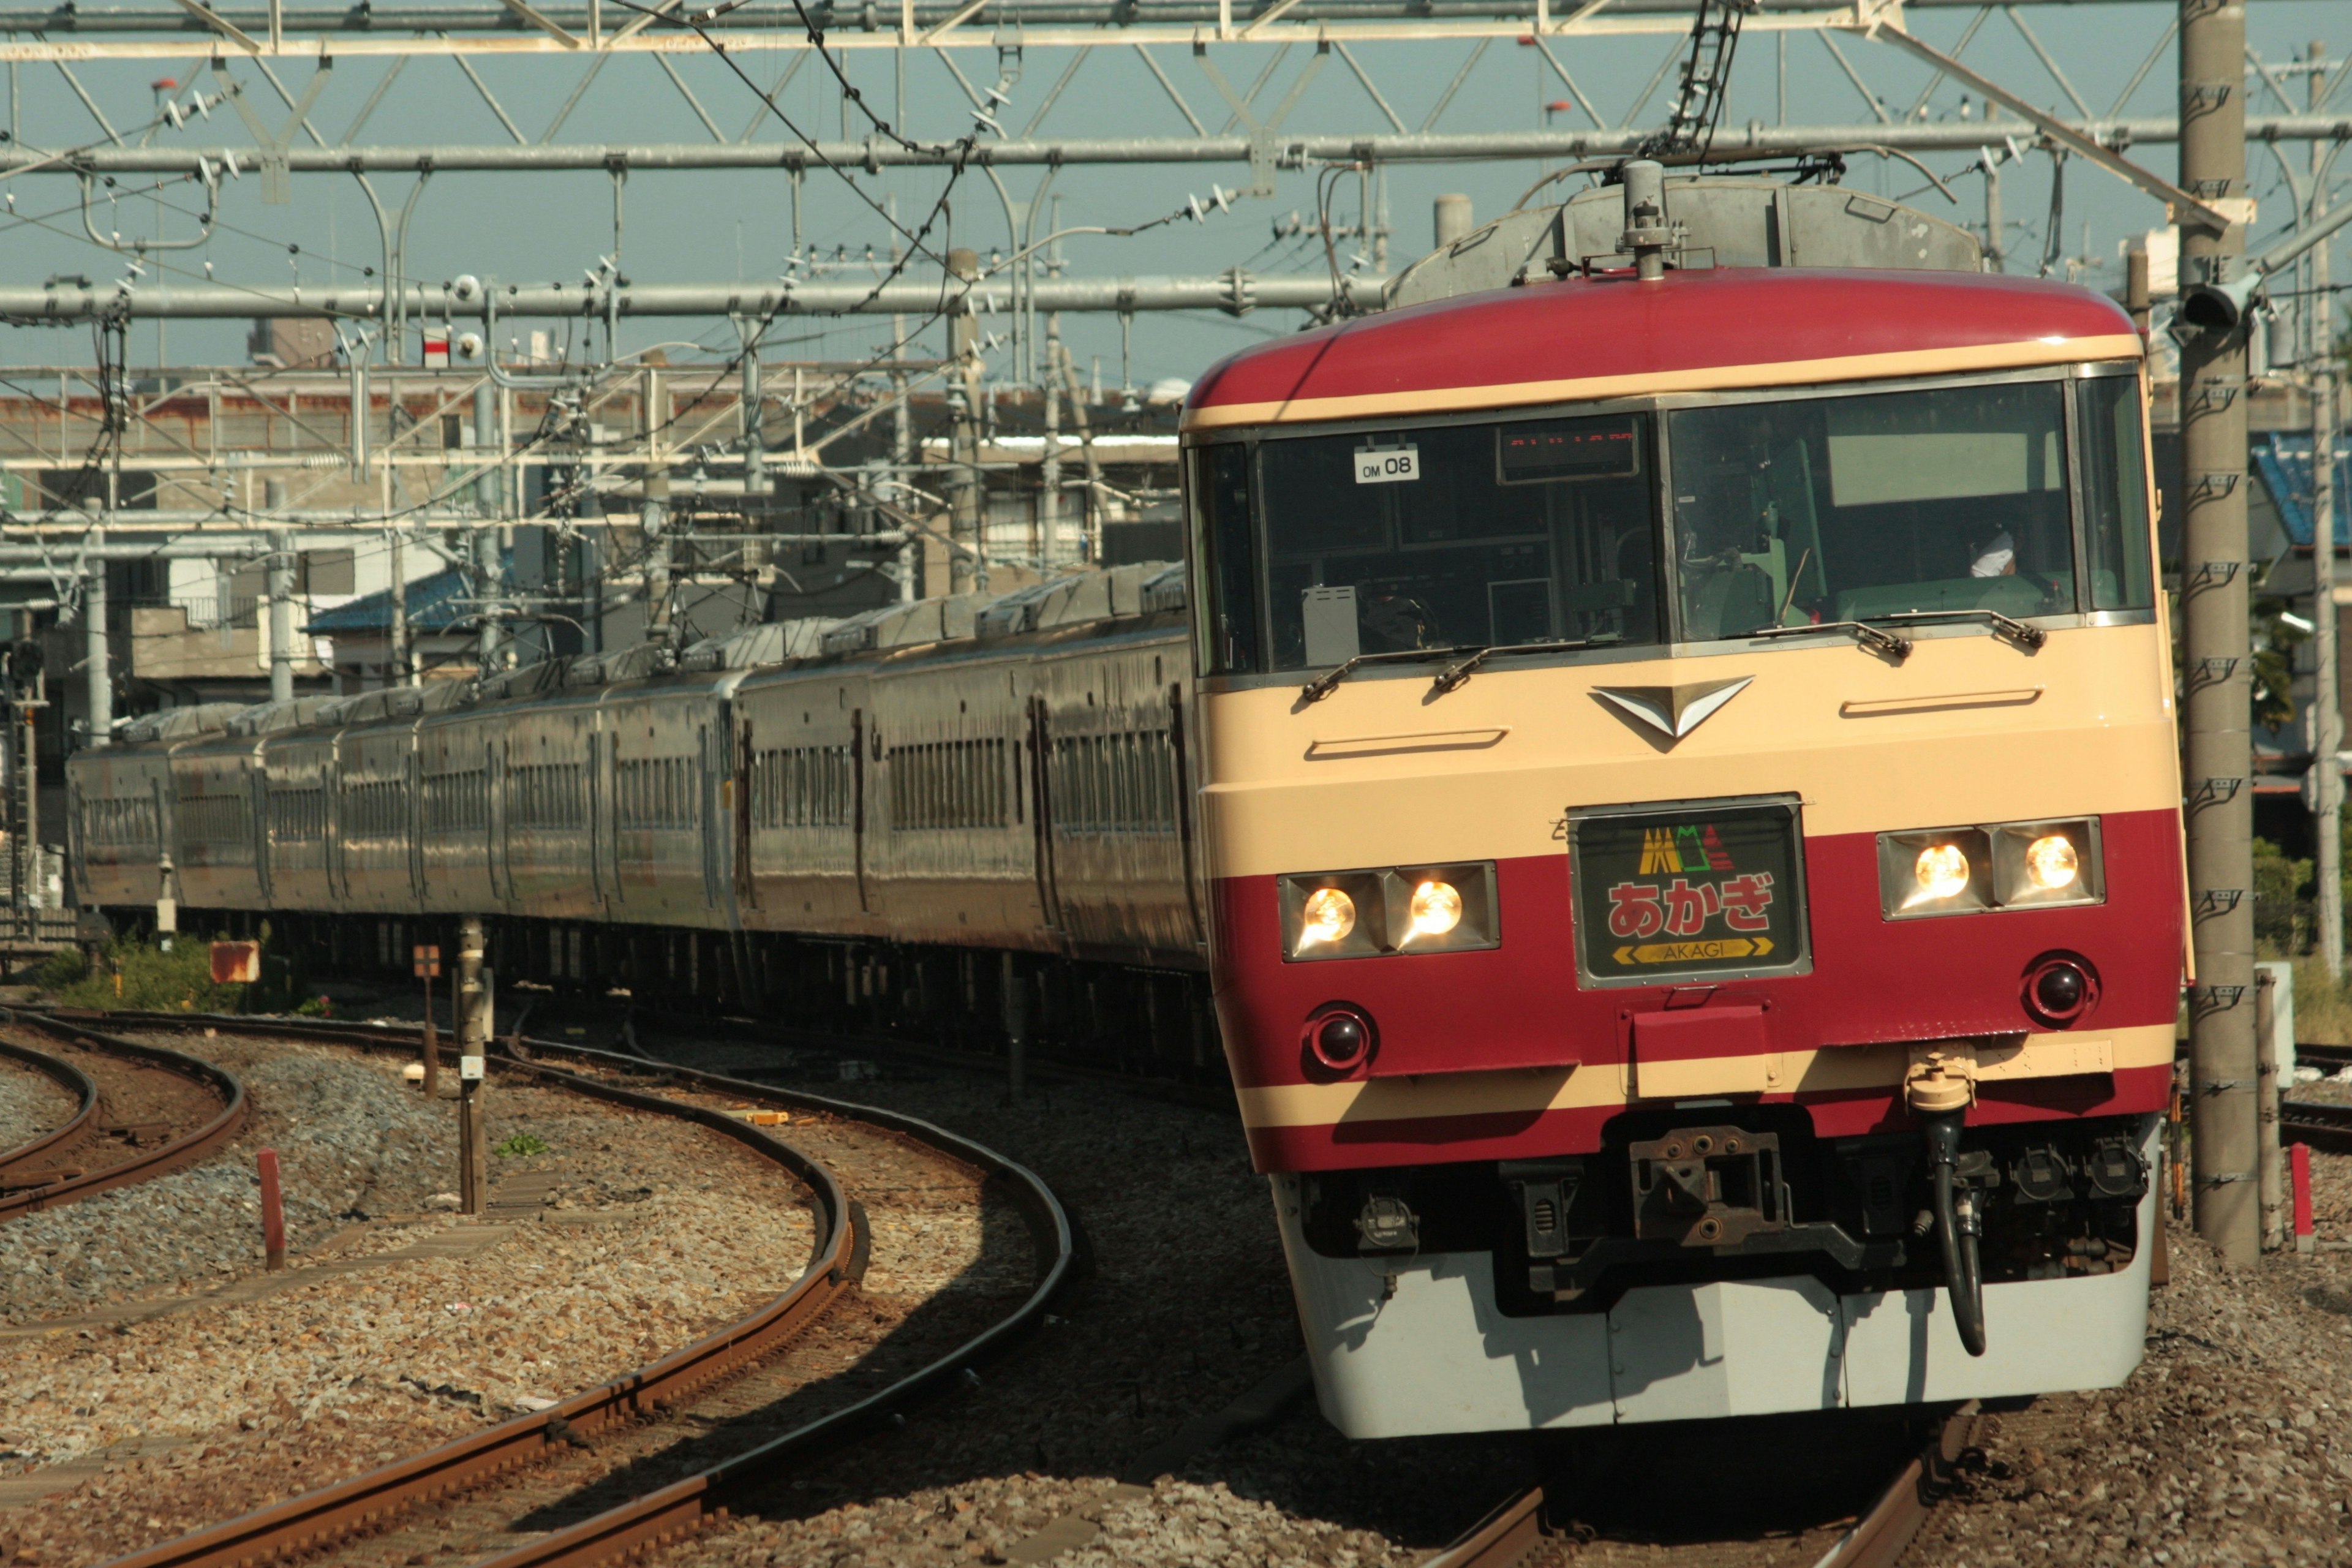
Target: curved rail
183 1151
363 1501
67 1076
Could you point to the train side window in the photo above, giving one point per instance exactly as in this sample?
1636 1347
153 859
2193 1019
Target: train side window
1228 615
2115 493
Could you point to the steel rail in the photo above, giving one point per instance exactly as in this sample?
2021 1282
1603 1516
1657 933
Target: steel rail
1507 1535
363 1501
369 1499
67 1076
2321 1125
181 1152
1296 148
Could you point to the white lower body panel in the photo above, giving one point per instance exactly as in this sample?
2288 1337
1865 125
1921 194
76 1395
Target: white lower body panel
1407 1346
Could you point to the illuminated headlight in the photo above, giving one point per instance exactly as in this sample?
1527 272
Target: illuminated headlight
2010 865
2047 863
1414 909
1939 872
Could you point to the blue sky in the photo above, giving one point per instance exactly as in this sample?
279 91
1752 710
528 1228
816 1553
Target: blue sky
704 226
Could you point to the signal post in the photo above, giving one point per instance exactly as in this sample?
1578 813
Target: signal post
473 1046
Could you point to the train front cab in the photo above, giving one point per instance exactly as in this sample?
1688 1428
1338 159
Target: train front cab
1586 998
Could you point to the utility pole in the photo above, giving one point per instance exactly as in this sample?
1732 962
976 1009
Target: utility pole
2326 697
95 668
281 616
2216 651
653 515
964 522
401 668
473 1046
755 449
490 498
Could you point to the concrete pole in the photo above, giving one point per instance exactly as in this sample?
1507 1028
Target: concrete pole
401 668
2327 698
96 665
652 513
281 616
2137 302
902 464
755 449
1049 497
488 487
964 521
1995 253
2216 646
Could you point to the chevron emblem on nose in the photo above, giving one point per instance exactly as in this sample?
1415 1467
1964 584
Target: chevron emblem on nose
1672 712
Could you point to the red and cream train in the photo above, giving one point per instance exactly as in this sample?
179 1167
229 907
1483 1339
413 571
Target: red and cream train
1672 784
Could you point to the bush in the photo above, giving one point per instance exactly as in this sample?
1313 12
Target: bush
141 975
520 1144
61 968
2283 894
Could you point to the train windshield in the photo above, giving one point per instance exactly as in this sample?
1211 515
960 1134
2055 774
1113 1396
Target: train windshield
2021 498
1798 512
1522 531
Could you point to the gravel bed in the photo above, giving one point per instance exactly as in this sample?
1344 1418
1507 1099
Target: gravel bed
1185 1306
30 1104
353 1143
2228 1445
655 1233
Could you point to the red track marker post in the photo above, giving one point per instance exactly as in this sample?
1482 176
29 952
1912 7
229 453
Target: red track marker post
273 1212
2299 1163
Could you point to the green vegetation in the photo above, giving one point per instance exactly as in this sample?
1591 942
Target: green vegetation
520 1144
145 975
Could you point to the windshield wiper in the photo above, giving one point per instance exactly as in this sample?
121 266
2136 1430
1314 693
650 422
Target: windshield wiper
1456 675
2017 631
1323 685
1897 648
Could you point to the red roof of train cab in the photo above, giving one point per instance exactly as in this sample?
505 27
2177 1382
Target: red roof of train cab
1712 327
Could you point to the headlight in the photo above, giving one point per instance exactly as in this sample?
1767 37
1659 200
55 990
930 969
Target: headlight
2051 863
2048 863
1941 870
1435 909
1412 908
2010 865
1327 916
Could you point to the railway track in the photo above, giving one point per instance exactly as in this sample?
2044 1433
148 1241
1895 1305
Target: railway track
1517 1534
523 1485
141 1111
2321 1125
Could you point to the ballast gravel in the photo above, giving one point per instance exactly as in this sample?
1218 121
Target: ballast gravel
31 1103
2231 1446
652 1234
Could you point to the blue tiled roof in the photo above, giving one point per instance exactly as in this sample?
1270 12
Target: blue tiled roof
434 605
2283 462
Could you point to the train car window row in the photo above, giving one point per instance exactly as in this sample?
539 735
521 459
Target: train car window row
950 784
456 802
1120 782
654 793
214 818
118 824
546 794
376 809
801 786
298 815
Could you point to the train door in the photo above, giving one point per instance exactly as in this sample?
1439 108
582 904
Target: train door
710 758
257 792
596 814
739 799
411 818
1179 745
494 817
1041 795
857 800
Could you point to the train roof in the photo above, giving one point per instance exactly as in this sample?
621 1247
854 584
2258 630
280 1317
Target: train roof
1702 329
